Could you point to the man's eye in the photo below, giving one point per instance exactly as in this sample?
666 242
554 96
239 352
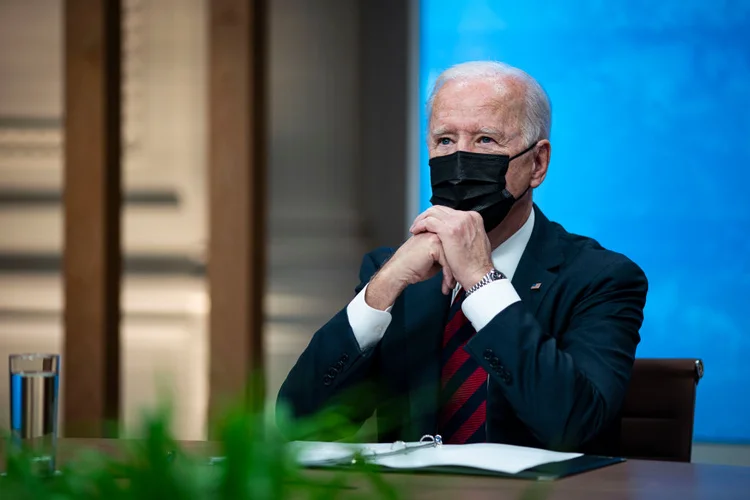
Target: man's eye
485 140
444 141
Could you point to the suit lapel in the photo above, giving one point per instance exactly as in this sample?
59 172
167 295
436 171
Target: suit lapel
535 273
426 309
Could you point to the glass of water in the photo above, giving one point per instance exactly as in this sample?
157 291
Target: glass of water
33 406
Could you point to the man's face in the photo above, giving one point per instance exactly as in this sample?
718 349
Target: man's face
481 116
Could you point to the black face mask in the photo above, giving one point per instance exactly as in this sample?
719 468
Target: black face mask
474 181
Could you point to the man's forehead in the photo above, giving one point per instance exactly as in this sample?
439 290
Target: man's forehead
477 104
480 92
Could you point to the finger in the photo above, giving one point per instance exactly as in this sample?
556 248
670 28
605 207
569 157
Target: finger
434 269
429 224
436 211
449 281
419 219
439 261
440 209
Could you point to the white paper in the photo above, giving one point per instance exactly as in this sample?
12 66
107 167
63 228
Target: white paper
488 456
322 452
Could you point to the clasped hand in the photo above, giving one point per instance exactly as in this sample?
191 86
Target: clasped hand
447 239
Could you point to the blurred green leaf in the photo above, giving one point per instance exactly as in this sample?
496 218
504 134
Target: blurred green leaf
256 463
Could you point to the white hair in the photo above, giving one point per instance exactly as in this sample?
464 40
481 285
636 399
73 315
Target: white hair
538 113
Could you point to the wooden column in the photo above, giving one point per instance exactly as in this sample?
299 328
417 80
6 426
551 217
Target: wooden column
237 179
92 260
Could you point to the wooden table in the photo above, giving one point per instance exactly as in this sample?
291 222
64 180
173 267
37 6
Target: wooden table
634 479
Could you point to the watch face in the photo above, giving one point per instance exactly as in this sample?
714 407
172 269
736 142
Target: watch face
496 275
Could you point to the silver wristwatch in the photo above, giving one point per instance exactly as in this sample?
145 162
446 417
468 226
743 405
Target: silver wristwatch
488 278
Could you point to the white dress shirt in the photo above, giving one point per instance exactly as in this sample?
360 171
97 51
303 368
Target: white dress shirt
369 324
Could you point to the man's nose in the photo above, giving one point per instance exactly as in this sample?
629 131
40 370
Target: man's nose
465 144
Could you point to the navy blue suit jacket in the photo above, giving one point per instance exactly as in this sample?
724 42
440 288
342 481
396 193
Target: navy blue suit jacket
559 361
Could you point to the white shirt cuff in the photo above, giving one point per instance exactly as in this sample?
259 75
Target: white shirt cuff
482 306
367 323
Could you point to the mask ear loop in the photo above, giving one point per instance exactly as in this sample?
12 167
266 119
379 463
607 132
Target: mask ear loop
524 192
533 145
524 151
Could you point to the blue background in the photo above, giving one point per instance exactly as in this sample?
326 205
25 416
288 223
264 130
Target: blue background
650 155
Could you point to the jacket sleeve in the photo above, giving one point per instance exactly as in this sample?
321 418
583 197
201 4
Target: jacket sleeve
332 373
567 389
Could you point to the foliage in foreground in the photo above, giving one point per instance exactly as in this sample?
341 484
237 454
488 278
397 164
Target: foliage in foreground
254 463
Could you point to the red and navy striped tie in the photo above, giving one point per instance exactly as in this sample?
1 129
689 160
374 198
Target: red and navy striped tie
463 401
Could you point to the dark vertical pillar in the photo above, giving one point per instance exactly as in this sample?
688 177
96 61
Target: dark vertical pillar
92 256
237 183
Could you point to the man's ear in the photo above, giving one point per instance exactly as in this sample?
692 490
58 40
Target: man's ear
541 162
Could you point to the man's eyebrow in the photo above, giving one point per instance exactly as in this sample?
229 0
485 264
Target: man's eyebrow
441 131
490 131
444 130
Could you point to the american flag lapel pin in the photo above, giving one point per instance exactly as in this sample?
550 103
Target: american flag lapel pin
536 286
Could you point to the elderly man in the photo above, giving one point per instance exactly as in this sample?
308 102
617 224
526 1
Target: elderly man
490 323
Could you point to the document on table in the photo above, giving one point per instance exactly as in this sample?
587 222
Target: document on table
495 457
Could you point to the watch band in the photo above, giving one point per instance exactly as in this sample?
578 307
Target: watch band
488 278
